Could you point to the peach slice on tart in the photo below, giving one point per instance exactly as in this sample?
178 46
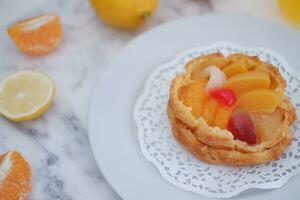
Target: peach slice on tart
260 100
229 105
246 81
234 69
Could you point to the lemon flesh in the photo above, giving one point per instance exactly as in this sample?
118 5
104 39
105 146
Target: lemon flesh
25 95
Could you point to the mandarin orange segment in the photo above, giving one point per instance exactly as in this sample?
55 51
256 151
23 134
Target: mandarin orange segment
234 68
244 82
209 110
195 96
260 100
222 116
15 176
38 35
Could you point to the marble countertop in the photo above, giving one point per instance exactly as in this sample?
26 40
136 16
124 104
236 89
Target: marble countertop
56 145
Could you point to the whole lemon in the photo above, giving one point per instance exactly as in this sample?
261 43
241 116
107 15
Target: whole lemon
290 10
125 13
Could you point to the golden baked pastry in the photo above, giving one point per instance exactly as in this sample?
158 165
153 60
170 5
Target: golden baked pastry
231 110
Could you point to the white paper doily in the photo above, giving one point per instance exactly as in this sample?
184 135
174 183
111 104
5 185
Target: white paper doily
185 171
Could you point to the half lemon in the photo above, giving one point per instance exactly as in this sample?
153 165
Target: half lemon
25 95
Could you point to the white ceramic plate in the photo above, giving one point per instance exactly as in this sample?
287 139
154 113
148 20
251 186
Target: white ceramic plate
113 134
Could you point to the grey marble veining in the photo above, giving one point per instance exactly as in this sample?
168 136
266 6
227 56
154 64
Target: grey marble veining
56 145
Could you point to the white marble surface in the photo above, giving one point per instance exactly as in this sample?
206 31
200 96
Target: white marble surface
56 145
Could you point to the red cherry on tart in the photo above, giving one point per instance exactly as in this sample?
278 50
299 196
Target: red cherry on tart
225 97
242 127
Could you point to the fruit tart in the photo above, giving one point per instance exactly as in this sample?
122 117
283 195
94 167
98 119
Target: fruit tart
231 110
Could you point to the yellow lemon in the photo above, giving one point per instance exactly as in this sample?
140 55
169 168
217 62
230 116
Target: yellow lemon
125 13
290 10
25 95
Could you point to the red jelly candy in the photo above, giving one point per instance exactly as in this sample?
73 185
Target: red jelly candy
224 96
241 126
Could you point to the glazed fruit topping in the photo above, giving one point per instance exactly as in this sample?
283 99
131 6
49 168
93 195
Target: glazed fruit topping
216 80
260 100
222 116
234 69
242 127
244 82
209 110
225 97
193 96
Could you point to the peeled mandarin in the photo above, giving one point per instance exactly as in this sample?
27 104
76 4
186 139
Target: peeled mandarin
222 116
195 96
260 100
38 35
247 81
15 176
234 68
209 110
